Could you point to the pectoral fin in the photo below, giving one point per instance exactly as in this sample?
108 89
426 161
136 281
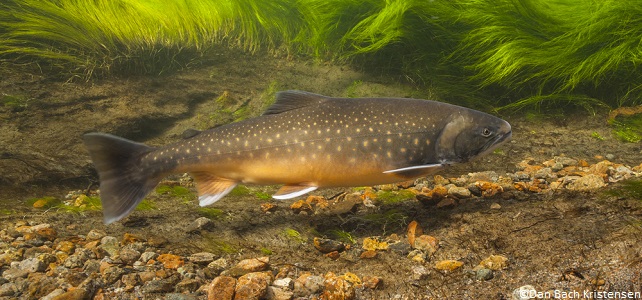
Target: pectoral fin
291 191
211 188
415 171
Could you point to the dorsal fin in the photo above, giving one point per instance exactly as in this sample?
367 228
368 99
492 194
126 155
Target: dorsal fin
289 100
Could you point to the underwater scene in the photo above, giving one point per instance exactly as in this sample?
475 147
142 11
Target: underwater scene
309 149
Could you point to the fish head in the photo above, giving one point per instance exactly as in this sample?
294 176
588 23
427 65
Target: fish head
469 134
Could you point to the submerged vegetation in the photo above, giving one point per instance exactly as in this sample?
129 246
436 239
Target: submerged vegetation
493 53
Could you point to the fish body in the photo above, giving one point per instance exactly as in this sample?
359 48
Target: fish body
304 141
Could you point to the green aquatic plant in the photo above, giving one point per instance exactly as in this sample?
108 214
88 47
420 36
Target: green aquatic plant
240 190
266 251
392 197
293 234
211 213
342 236
630 188
176 191
14 102
627 128
596 135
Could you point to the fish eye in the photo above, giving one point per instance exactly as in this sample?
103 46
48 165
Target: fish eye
486 132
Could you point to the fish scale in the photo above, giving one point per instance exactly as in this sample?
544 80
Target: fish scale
304 141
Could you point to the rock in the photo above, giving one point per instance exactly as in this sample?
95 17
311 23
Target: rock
252 285
484 274
495 205
222 288
179 296
13 273
337 288
199 224
170 261
419 273
348 204
493 262
427 243
374 244
8 289
254 264
334 255
188 286
131 280
78 259
565 161
158 286
401 248
328 245
368 254
66 246
95 235
147 256
157 241
372 282
440 180
524 292
275 293
202 258
413 231
446 203
433 196
268 207
459 192
112 274
301 206
448 265
129 255
587 183
130 238
53 294
307 284
488 189
284 283
75 294
32 265
417 255
109 244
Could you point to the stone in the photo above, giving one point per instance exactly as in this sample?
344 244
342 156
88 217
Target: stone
199 224
202 258
112 274
75 294
448 265
109 244
484 274
147 256
427 244
171 261
32 265
414 230
495 206
328 245
372 282
334 255
301 206
493 262
368 254
252 285
337 288
222 288
524 293
188 286
130 238
587 183
488 189
66 246
268 207
374 244
284 283
276 293
446 203
53 294
158 286
307 284
8 289
254 264
129 255
459 192
95 235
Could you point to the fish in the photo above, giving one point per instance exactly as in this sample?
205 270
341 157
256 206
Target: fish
304 141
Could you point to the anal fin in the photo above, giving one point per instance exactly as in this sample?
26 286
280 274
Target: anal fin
211 188
291 191
415 171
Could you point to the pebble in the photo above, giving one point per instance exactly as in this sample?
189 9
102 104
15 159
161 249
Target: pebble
337 288
523 292
275 293
328 245
374 244
202 258
427 244
372 282
199 224
222 288
493 262
459 192
448 265
110 245
484 274
307 284
252 285
170 261
414 230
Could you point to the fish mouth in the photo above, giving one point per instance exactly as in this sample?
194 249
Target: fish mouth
495 143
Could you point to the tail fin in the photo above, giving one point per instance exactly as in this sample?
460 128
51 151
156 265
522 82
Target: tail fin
123 181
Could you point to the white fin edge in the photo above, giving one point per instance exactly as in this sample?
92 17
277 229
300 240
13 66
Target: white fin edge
208 199
414 168
295 194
